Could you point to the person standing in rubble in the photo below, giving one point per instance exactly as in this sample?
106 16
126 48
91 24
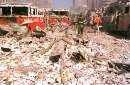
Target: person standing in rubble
81 24
98 21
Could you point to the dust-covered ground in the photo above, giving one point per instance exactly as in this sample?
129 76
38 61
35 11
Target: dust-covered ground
62 58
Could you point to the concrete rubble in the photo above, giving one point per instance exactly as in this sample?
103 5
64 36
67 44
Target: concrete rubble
30 59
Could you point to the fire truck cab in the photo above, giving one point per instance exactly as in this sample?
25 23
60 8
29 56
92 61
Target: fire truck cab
60 15
21 13
14 10
120 19
124 19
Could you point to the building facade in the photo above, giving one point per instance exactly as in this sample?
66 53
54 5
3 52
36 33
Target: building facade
39 3
89 4
44 3
107 2
92 4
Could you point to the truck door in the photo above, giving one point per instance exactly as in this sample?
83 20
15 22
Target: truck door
124 20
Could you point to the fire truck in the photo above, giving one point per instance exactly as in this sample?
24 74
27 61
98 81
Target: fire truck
118 17
21 14
60 15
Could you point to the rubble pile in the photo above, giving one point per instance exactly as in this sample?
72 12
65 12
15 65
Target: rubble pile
57 59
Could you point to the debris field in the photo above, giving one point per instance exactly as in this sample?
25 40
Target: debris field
62 58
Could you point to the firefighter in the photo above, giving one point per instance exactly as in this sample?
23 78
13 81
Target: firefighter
53 21
98 21
75 21
81 24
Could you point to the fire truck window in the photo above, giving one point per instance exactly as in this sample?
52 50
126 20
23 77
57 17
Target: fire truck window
20 10
6 11
110 11
56 12
60 13
64 13
127 10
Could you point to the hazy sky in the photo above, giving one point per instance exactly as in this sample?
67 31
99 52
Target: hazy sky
63 3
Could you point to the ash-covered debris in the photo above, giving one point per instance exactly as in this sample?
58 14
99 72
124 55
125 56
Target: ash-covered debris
77 57
38 34
55 59
5 49
3 32
120 67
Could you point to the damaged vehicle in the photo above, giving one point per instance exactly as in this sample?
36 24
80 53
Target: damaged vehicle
21 17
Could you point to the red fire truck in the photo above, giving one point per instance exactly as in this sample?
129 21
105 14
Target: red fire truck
61 15
118 17
21 14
